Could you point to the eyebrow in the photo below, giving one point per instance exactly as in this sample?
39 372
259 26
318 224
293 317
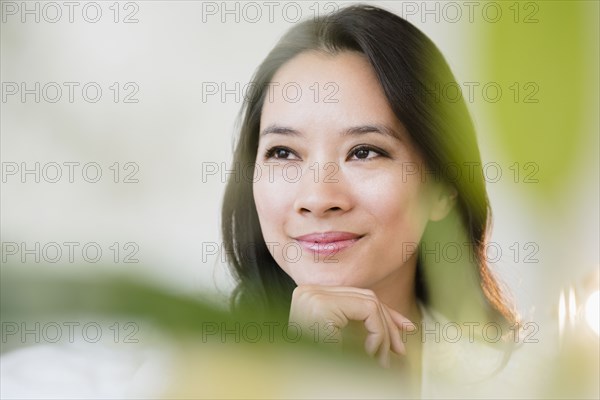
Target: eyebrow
352 131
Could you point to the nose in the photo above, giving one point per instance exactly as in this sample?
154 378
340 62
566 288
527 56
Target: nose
320 194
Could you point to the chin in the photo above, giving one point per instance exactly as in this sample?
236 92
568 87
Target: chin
326 279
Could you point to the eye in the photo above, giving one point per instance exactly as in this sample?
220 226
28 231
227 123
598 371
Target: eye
278 152
367 152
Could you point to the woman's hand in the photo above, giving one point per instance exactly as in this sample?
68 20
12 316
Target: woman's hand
333 307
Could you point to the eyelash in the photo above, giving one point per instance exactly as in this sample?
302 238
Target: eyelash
271 151
381 153
378 151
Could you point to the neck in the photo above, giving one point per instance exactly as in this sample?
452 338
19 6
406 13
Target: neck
398 291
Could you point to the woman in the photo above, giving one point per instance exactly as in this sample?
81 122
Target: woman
363 172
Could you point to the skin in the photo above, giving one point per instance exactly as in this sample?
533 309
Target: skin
344 186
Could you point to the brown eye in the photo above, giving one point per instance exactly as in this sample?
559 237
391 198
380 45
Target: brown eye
281 153
362 153
366 153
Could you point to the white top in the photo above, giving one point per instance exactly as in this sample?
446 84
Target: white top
456 364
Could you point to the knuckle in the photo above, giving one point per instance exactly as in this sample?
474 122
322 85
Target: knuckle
319 298
373 306
370 293
302 291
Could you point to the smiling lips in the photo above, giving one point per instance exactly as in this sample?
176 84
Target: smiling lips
328 243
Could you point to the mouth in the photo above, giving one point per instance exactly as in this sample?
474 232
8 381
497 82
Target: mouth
328 243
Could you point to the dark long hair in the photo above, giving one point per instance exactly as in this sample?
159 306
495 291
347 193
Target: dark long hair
412 72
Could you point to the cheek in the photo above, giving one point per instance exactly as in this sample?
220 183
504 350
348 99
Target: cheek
272 203
399 206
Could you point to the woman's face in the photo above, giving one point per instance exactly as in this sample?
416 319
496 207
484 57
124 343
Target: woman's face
337 165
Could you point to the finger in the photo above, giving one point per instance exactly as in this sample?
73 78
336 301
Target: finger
384 359
337 289
397 344
366 294
374 345
374 324
341 304
401 321
386 345
368 310
394 336
394 341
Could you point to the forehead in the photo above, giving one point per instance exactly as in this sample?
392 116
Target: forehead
317 88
